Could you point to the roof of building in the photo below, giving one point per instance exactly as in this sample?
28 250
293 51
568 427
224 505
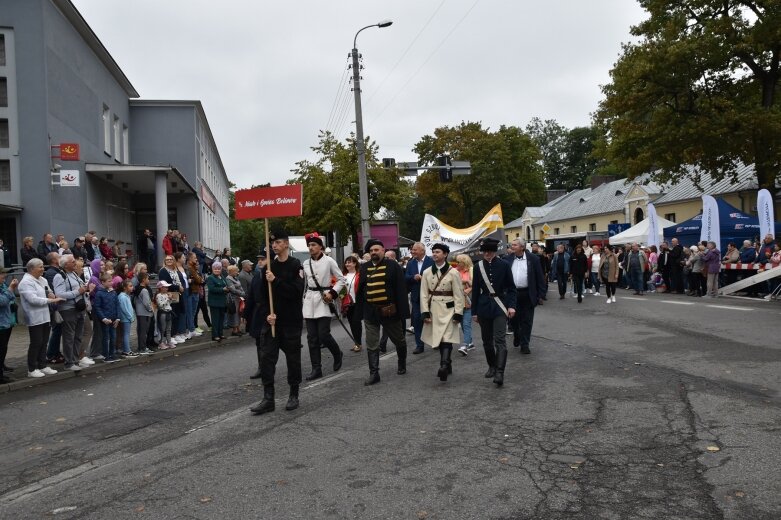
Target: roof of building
610 197
515 223
537 211
73 15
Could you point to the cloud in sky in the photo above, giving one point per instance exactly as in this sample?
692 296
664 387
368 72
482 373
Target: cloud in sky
268 73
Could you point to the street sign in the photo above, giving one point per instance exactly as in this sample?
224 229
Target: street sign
461 168
277 201
410 168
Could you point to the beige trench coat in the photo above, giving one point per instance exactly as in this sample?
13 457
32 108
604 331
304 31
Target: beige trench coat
442 308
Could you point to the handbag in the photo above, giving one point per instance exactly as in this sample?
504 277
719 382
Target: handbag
388 311
58 317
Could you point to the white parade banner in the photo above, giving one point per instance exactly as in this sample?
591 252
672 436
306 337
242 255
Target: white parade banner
711 229
766 215
654 232
437 232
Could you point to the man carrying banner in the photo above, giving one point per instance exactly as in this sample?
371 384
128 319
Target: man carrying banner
442 307
319 299
287 287
493 301
415 268
381 298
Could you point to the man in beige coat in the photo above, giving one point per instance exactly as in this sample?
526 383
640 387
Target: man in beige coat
442 307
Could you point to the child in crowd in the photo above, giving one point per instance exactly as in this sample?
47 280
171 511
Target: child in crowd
126 316
656 282
107 310
144 311
164 315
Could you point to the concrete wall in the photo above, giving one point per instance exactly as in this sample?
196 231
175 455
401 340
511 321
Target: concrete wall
164 135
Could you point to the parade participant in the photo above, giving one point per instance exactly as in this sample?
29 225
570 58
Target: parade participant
287 287
319 297
529 283
442 307
560 268
608 271
382 299
415 267
493 301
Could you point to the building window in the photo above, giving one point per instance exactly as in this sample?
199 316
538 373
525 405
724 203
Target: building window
2 50
555 231
117 142
592 227
670 216
614 222
3 92
5 175
125 145
106 130
4 139
573 229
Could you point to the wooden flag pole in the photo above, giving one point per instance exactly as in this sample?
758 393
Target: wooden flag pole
270 293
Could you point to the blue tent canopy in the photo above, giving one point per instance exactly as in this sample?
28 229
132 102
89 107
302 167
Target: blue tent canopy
735 226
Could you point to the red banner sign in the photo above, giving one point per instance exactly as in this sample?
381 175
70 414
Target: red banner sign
277 201
69 151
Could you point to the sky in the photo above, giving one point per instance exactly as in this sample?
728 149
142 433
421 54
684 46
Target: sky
272 75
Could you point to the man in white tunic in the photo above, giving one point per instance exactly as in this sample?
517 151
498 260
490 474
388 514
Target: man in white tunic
441 307
319 296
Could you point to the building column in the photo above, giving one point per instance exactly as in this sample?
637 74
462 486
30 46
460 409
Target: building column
161 214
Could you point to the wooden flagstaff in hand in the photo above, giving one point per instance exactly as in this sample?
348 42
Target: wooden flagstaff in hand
276 201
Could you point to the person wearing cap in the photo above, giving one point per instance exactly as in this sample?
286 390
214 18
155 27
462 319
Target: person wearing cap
280 330
493 301
442 307
382 300
319 297
261 261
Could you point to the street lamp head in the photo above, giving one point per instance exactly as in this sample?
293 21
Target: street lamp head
385 23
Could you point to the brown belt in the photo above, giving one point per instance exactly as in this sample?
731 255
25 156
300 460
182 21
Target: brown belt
441 293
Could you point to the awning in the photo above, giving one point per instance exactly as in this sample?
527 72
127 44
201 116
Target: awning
140 179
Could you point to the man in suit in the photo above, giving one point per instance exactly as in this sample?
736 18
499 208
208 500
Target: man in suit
676 267
493 301
529 280
415 267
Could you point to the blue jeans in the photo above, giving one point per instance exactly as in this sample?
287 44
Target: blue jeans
595 281
126 325
192 307
636 279
466 326
109 340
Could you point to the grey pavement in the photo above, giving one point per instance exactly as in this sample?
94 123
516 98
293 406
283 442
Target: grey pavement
656 407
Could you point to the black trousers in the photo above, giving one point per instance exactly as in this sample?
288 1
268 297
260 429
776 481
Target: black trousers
5 336
561 279
36 352
356 325
204 310
318 332
610 288
676 278
523 320
288 340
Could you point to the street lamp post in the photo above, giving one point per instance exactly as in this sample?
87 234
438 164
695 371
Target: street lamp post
363 185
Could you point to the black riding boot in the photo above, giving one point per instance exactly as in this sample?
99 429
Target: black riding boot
267 404
256 375
374 367
317 368
501 361
401 354
490 357
292 401
444 361
336 352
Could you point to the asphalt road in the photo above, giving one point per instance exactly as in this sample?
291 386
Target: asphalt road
661 407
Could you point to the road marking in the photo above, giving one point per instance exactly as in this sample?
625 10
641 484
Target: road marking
326 380
731 308
633 298
676 303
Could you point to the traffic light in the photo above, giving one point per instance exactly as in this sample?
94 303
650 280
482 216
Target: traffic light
389 163
445 172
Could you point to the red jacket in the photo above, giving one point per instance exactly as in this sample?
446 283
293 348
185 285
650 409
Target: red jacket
168 247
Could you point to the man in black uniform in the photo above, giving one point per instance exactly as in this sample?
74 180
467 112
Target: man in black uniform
287 284
381 298
493 302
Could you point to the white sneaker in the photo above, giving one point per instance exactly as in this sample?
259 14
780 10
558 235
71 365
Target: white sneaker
195 333
82 364
35 373
86 361
613 299
74 368
99 357
597 294
199 330
174 341
48 371
463 351
189 335
609 301
181 338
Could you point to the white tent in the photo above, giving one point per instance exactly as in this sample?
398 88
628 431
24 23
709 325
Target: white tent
639 233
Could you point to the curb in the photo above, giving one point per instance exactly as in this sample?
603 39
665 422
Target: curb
29 382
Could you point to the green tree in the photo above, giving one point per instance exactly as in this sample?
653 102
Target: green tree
579 160
505 170
551 138
697 88
330 184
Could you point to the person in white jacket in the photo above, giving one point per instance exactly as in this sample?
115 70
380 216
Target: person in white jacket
36 295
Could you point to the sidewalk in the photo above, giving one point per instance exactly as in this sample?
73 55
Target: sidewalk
20 340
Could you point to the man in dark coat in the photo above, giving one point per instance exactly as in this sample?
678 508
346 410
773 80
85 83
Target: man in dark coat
381 298
493 301
676 266
287 286
415 267
529 281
